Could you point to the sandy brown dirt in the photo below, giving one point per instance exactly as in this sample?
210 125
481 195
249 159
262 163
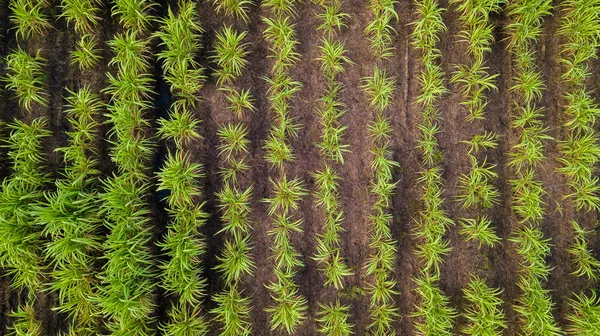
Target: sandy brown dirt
499 265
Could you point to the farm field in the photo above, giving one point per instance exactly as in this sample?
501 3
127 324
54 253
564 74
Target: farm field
283 167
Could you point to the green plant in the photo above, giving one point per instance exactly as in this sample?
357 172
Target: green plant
380 29
180 37
379 88
234 140
87 53
183 245
280 8
286 195
332 18
434 313
133 14
585 262
236 8
233 311
239 101
25 323
82 14
181 127
26 78
28 17
230 55
333 320
584 318
480 230
73 243
328 241
128 278
484 312
21 240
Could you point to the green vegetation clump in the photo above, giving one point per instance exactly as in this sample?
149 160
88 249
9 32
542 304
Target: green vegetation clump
235 261
21 234
26 78
435 316
70 217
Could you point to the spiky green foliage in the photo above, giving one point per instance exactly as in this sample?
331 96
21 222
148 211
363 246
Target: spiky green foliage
82 14
434 316
288 310
379 89
583 258
475 187
233 311
484 311
130 89
281 35
70 216
128 278
230 55
328 241
280 8
534 306
87 53
235 205
333 320
181 127
20 233
328 252
234 140
584 319
25 323
478 33
332 18
180 39
234 8
434 312
240 101
26 78
183 246
21 240
380 29
235 261
579 29
134 14
28 17
480 230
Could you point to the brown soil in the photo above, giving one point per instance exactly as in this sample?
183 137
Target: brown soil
499 265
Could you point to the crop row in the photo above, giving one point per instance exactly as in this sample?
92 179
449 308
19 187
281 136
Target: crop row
476 191
128 278
580 30
183 245
235 261
21 247
435 316
23 241
332 316
379 89
534 306
288 309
